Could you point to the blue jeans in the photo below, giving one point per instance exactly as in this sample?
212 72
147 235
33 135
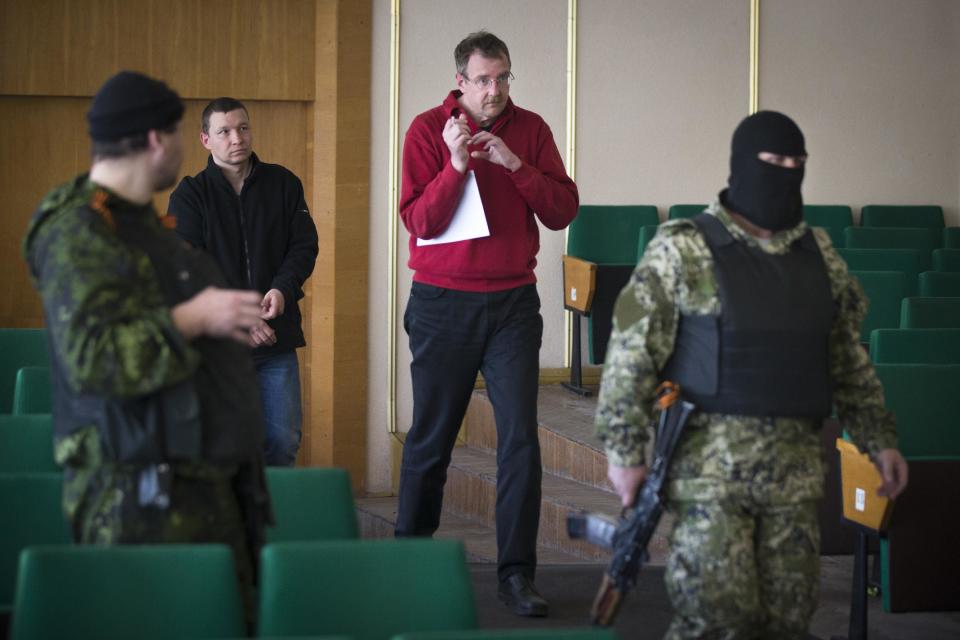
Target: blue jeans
279 379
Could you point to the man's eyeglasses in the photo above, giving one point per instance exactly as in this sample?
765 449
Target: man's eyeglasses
483 82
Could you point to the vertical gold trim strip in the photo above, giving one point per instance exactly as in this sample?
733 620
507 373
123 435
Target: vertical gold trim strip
754 56
393 199
571 147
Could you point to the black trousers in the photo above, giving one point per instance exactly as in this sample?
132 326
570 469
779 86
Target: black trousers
453 335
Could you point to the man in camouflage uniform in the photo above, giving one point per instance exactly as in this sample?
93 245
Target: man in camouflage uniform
156 409
757 318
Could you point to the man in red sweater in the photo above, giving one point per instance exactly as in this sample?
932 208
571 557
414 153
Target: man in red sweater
474 304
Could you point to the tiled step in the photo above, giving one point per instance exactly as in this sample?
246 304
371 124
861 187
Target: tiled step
377 516
568 446
471 493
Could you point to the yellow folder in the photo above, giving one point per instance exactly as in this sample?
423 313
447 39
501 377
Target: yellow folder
860 480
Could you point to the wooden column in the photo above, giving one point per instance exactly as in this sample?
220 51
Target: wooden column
335 367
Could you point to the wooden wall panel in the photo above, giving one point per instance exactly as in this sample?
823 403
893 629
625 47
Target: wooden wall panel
54 54
46 144
204 48
337 369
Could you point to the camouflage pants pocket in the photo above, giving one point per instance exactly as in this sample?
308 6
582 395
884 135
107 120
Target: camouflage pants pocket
738 570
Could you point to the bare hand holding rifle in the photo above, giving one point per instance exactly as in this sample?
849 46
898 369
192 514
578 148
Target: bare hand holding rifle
629 536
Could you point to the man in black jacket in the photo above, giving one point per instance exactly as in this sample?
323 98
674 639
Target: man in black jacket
251 216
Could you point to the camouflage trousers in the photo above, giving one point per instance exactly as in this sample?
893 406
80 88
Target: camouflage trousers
101 503
740 570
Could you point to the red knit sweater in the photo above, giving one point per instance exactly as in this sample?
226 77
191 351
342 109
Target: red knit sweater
432 187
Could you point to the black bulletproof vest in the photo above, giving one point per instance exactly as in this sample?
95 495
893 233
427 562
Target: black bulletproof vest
767 353
213 416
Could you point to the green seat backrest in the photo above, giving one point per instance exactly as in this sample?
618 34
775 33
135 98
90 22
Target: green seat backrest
368 589
905 260
513 634
923 240
127 591
32 390
311 504
917 346
829 216
883 215
885 290
930 313
647 232
31 504
951 237
19 348
680 211
26 444
939 284
946 260
926 403
607 234
837 237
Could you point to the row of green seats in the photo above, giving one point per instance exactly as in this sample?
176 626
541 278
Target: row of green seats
308 503
411 589
919 562
915 346
20 348
893 302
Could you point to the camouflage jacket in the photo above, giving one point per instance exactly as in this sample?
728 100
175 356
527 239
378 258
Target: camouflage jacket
776 459
108 274
106 316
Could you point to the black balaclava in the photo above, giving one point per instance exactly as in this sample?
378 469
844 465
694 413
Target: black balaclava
765 194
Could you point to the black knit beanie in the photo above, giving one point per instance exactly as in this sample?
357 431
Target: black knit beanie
130 103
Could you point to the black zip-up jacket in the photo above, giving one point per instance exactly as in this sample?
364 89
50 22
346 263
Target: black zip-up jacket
262 239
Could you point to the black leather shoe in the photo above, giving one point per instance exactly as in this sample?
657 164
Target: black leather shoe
518 593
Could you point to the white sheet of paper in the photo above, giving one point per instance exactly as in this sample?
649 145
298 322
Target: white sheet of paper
469 220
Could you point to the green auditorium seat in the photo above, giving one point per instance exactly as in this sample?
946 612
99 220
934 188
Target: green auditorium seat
513 634
926 401
604 241
951 238
919 562
885 290
26 444
127 591
930 313
939 284
679 211
31 504
923 240
946 260
647 232
833 218
607 234
367 589
32 390
915 346
904 260
883 215
311 504
828 215
19 348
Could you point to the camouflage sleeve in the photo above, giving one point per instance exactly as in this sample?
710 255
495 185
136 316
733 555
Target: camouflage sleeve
107 321
858 394
644 325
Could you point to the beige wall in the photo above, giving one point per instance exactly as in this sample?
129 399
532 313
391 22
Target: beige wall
661 86
874 86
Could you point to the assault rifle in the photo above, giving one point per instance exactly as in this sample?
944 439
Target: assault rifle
629 536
